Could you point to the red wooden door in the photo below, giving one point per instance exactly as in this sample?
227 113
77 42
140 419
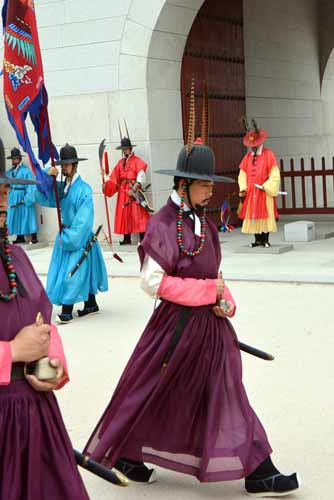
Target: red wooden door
214 53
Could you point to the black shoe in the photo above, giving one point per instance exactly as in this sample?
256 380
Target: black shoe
19 240
256 244
88 310
126 239
272 486
135 471
34 239
64 318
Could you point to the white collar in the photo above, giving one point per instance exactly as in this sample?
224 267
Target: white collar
259 150
68 184
177 200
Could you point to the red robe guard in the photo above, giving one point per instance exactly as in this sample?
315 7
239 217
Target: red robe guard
130 217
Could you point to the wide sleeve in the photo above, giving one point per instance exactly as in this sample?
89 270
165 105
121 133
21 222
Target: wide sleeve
30 190
50 199
160 243
184 291
271 186
76 236
56 351
141 177
242 180
5 363
112 185
244 162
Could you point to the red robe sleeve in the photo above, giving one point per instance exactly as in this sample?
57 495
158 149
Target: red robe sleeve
271 160
244 162
140 165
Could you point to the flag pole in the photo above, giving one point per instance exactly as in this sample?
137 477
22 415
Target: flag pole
53 164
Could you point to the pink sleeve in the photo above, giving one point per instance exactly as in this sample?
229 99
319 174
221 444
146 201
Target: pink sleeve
188 291
228 296
5 363
56 351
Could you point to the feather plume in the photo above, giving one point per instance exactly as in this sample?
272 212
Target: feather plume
192 117
205 115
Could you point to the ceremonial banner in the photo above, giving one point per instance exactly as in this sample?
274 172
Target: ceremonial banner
24 87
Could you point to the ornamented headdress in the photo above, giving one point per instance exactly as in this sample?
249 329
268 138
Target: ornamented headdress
196 159
255 136
125 140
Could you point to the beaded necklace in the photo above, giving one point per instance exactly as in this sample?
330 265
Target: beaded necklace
11 274
189 253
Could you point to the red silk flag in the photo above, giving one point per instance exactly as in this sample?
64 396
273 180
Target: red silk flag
24 88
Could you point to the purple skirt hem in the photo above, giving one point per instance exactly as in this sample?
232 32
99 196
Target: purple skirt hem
213 477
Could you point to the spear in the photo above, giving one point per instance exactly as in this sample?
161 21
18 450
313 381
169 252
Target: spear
104 154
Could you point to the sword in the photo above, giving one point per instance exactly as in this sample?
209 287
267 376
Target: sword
282 193
86 251
255 352
110 475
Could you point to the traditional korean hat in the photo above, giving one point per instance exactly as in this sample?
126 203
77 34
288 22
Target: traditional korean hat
196 159
68 155
255 136
125 140
15 154
4 179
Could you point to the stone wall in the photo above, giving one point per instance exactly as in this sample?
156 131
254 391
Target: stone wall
107 60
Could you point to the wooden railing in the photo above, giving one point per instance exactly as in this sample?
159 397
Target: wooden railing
308 202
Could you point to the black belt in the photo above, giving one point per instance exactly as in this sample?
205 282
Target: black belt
18 189
179 329
17 372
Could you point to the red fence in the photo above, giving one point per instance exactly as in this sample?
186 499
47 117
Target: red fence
310 183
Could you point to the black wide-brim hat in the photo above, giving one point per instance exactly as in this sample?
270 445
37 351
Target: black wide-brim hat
126 143
68 155
4 178
199 164
15 153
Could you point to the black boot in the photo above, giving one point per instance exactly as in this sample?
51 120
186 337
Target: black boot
34 239
267 481
126 239
136 472
141 236
257 242
66 313
19 239
266 243
90 306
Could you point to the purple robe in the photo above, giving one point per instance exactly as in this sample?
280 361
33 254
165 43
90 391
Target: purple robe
194 417
36 457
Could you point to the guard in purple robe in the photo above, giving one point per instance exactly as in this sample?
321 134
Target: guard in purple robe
181 403
36 457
